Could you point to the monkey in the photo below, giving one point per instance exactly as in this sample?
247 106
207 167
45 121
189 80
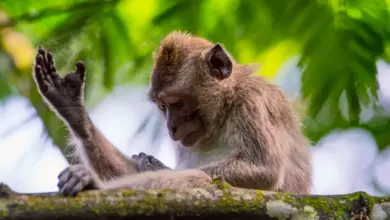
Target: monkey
225 121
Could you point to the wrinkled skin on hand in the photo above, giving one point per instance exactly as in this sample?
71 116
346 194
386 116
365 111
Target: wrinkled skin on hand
148 163
63 94
60 92
75 179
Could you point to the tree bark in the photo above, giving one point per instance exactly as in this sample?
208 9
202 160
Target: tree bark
218 201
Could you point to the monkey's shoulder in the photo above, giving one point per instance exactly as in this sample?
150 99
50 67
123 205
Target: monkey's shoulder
259 100
255 89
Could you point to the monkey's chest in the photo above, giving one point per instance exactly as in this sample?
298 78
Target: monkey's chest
188 159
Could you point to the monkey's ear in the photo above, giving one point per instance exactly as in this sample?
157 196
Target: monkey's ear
219 62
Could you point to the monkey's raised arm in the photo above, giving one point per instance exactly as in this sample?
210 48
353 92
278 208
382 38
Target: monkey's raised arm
65 97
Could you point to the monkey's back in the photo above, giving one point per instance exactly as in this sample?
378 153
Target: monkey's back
276 111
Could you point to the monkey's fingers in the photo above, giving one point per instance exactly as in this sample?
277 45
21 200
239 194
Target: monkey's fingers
135 157
52 69
73 169
50 59
49 76
66 190
80 69
81 185
42 84
142 154
143 164
155 161
39 61
63 179
67 173
63 172
48 79
42 52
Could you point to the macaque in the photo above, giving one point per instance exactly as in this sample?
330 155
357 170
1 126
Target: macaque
226 122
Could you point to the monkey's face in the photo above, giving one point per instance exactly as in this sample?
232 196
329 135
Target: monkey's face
180 72
183 117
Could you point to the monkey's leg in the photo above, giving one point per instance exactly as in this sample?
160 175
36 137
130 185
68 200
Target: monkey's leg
65 97
148 163
162 179
76 178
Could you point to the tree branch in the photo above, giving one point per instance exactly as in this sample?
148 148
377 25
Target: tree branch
208 203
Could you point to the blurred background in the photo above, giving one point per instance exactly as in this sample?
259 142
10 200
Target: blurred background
330 56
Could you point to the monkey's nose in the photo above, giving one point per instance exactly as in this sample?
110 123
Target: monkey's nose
172 132
173 129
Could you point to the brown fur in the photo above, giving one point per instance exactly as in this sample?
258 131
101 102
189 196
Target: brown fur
252 137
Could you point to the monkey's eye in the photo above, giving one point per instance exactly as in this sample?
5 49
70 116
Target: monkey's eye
178 105
162 107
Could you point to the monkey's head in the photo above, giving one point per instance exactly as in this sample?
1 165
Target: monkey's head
186 69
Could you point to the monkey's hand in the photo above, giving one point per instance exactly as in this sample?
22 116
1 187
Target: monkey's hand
148 163
61 93
75 179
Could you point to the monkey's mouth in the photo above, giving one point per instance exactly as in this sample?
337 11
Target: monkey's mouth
190 139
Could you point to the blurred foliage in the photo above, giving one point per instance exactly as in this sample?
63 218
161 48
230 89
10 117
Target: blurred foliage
338 41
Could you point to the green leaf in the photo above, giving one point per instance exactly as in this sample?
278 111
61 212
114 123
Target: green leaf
119 26
188 9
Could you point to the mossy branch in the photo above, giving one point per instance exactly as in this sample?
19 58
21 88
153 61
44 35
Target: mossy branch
208 203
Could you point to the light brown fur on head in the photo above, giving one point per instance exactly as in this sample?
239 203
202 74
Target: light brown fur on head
179 61
180 64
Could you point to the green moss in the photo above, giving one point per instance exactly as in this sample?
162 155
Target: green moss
334 207
221 185
129 192
95 211
259 196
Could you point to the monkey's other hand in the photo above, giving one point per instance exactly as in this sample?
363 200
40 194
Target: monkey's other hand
62 93
75 179
148 163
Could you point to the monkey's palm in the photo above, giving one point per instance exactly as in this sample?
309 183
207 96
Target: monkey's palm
62 93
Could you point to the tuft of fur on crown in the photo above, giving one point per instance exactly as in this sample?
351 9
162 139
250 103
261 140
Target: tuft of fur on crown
177 46
170 50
